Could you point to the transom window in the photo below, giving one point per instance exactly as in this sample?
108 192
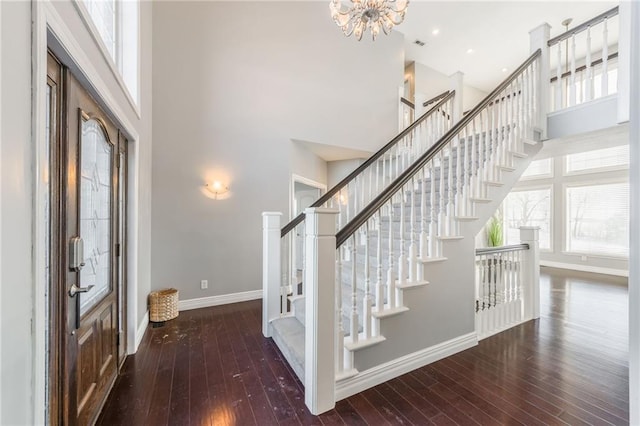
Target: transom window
616 157
115 25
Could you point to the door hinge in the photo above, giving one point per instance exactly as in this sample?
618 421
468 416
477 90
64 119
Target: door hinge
118 250
118 160
117 339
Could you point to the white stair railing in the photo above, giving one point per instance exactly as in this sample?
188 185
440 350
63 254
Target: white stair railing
395 214
355 191
582 79
507 284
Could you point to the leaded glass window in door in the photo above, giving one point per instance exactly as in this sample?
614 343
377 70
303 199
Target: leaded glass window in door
95 213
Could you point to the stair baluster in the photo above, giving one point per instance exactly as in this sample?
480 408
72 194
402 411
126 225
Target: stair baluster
340 352
391 276
588 89
368 298
605 59
424 231
559 104
433 224
413 249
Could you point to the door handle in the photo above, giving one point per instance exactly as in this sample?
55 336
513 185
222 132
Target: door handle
75 289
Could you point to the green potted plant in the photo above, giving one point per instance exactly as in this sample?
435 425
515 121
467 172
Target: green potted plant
495 236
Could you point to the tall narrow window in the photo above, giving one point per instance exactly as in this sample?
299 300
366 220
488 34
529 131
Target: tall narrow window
103 13
528 208
598 219
115 25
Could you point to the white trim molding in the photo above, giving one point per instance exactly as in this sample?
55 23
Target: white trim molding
585 268
1 97
142 328
223 299
399 366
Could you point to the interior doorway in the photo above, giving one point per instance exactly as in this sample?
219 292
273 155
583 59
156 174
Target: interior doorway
305 193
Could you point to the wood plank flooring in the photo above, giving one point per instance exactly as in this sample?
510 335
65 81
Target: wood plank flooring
213 367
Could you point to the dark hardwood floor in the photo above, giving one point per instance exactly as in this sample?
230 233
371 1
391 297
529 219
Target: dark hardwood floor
213 367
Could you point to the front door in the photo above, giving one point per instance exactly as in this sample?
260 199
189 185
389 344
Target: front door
89 254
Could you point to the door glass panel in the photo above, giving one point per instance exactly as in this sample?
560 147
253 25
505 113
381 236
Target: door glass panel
95 213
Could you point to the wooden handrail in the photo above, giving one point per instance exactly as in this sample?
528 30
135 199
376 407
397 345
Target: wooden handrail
435 99
591 22
407 102
344 182
397 184
501 249
584 67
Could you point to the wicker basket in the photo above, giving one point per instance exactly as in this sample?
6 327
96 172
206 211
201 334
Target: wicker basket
163 305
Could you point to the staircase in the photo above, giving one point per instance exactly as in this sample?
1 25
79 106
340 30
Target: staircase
374 293
392 280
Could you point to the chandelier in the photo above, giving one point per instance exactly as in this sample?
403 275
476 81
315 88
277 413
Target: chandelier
372 14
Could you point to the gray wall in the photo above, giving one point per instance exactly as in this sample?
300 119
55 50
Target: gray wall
431 83
234 83
17 274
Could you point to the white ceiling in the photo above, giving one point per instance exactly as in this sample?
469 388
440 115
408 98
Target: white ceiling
498 33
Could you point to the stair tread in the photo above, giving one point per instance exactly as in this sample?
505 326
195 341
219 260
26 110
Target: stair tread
288 333
466 218
411 284
480 200
431 259
363 343
389 312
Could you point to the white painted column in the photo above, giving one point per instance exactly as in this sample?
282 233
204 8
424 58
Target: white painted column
456 82
400 109
634 232
320 294
538 38
624 60
271 278
531 271
420 99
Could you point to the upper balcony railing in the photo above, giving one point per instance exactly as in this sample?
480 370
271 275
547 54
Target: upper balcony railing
584 62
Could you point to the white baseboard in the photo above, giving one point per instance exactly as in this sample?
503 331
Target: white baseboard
224 299
142 327
586 268
399 366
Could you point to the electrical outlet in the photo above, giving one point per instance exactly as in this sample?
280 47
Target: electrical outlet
204 284
583 258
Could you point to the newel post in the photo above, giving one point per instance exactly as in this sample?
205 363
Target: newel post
319 283
539 37
456 82
531 271
271 276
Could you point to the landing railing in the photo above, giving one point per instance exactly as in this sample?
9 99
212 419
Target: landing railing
583 67
357 190
507 285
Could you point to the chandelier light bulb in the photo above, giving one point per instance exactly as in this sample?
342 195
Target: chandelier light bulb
367 14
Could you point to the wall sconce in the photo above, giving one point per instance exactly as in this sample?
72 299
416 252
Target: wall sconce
217 188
